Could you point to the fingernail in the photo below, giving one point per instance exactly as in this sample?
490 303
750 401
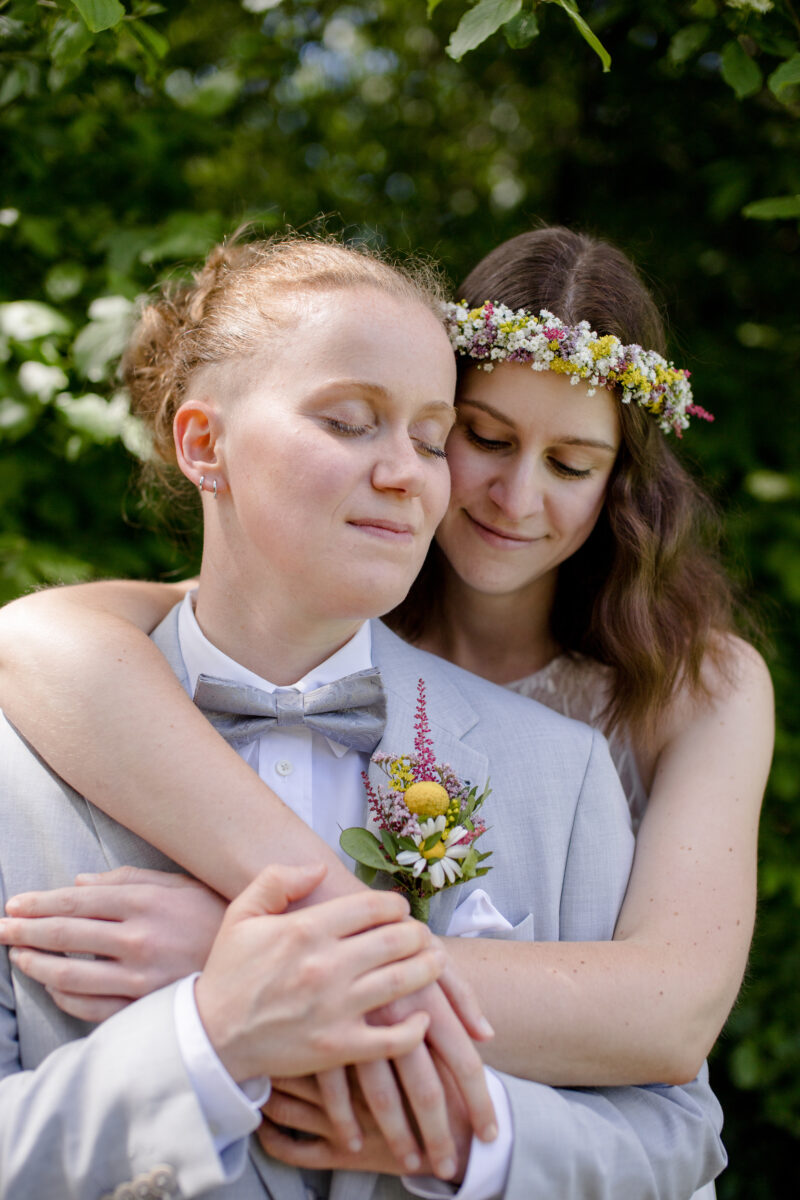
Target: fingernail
12 906
489 1133
447 1168
486 1029
412 1162
355 1145
86 877
13 954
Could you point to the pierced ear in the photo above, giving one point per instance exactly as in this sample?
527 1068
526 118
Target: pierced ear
197 429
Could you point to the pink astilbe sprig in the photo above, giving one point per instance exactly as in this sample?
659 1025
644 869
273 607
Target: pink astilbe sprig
424 766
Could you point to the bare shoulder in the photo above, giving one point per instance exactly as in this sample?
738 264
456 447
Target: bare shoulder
737 701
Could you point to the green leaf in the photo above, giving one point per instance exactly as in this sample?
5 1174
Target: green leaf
365 848
785 75
585 32
739 70
68 40
432 6
480 23
365 874
520 31
687 41
773 209
100 14
152 42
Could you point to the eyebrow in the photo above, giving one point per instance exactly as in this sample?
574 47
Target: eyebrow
593 443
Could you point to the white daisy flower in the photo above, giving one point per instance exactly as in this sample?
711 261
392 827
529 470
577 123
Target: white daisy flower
441 860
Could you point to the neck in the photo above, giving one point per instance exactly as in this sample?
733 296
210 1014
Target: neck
501 637
273 636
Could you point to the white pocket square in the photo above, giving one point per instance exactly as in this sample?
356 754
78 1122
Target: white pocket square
477 916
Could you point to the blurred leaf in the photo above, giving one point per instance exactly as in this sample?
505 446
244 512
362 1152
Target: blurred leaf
520 31
786 75
100 14
68 40
687 41
773 209
479 23
150 39
184 235
740 71
101 342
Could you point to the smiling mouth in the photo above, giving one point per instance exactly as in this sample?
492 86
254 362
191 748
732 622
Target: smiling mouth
392 531
498 537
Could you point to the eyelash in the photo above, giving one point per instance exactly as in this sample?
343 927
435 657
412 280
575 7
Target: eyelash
355 430
490 445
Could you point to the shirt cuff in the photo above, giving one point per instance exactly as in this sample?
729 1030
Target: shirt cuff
487 1169
231 1112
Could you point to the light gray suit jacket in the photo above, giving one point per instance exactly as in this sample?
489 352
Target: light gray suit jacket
84 1109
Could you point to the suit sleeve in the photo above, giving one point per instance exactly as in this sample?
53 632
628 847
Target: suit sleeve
652 1143
110 1108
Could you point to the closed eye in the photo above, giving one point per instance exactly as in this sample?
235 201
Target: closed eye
485 443
570 472
344 427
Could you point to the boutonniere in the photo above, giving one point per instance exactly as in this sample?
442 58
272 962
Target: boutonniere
426 820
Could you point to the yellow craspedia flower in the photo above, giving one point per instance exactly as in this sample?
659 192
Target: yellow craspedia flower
427 799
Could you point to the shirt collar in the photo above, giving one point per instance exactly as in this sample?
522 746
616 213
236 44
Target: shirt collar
202 657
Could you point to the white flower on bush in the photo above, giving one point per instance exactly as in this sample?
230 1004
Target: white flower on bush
25 320
761 6
441 860
37 379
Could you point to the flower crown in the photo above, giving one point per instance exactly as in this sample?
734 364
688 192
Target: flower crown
494 333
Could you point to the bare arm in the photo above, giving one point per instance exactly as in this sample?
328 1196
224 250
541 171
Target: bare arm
93 638
647 1006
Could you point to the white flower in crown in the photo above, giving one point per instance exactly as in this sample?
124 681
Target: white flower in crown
494 333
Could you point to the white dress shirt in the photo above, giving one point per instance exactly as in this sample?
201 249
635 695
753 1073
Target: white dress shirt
308 771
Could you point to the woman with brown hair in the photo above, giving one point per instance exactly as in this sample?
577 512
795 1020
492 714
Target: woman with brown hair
574 566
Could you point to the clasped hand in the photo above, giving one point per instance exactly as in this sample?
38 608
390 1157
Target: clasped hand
348 981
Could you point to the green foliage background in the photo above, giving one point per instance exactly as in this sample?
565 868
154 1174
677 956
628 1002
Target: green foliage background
128 150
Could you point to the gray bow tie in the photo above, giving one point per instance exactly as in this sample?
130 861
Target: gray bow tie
351 711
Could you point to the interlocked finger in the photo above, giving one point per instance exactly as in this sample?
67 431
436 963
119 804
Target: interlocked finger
384 1100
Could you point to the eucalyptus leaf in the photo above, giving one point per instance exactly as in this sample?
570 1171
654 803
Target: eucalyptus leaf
740 71
100 14
365 848
479 24
785 75
773 209
365 874
585 31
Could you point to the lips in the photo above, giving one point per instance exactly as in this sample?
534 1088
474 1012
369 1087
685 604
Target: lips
379 527
500 537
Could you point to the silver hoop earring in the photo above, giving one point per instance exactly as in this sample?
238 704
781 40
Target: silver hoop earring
215 489
200 484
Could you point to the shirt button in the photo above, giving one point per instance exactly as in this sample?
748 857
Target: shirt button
284 767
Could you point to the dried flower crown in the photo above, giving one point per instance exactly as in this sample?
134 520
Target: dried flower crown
494 333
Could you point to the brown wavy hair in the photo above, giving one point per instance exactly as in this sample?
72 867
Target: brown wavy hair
646 594
231 307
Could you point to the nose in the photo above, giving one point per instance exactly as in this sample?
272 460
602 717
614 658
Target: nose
518 490
399 466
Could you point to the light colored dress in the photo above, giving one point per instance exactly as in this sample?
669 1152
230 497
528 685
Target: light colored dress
579 687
